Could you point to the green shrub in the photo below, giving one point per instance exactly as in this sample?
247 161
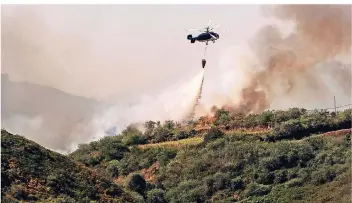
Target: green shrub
218 181
347 139
237 183
213 134
180 134
255 189
294 183
265 118
19 192
280 176
113 168
64 199
136 183
156 196
289 130
113 149
272 163
241 164
323 174
265 177
134 140
113 190
138 198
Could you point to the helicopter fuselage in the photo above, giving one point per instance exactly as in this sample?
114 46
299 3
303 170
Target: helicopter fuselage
204 37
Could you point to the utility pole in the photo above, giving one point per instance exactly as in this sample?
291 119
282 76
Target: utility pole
335 104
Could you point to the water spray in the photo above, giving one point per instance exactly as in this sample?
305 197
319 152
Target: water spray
197 99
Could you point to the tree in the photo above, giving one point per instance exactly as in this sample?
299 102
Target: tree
112 168
347 139
289 129
156 196
213 134
149 128
132 136
131 140
222 117
137 183
161 134
112 148
265 118
169 125
237 183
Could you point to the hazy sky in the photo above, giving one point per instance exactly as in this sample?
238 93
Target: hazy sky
107 51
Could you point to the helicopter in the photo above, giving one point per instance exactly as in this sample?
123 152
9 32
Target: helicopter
206 35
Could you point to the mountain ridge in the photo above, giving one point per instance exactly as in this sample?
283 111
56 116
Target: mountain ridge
32 173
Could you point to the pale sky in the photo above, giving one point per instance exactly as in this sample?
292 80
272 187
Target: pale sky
107 51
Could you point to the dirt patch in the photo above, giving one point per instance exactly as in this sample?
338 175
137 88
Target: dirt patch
339 133
119 180
149 173
35 186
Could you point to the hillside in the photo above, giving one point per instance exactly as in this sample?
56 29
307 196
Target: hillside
32 173
276 156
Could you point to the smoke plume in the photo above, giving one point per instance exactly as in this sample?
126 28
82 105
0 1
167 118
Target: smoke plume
175 103
291 67
196 100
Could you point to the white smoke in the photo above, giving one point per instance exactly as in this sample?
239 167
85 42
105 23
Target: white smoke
173 104
23 123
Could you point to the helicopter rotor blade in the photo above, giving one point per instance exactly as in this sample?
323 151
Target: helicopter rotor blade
215 27
209 22
193 29
213 36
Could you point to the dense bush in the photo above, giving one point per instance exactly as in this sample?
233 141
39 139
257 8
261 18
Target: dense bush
156 196
107 148
32 173
213 134
238 166
136 183
134 140
168 131
250 169
113 149
347 139
113 168
255 189
139 159
132 136
317 119
314 123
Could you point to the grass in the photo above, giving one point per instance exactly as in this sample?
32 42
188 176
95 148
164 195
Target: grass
198 140
175 144
248 131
